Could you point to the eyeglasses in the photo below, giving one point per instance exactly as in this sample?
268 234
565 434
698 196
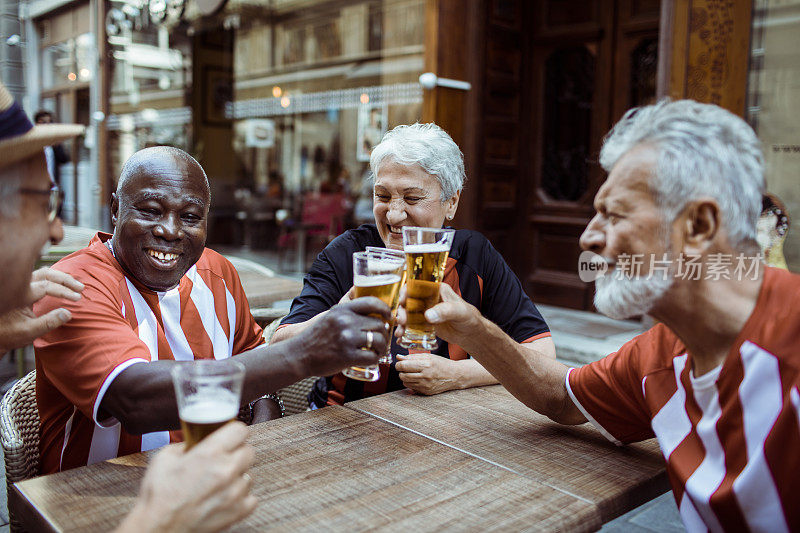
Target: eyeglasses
54 200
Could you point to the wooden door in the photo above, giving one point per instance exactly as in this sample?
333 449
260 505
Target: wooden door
586 62
549 78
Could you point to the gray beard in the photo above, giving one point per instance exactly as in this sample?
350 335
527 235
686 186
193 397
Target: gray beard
621 297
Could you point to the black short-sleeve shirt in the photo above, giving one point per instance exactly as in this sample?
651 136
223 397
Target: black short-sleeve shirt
475 270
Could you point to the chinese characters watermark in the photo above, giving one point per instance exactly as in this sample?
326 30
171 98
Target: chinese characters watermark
713 267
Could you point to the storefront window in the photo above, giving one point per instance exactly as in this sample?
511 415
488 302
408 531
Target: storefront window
774 105
67 62
308 114
58 65
280 100
150 83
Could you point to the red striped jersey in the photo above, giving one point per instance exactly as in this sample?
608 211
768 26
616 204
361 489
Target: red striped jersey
116 324
731 437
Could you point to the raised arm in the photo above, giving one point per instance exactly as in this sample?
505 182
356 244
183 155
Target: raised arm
142 398
532 375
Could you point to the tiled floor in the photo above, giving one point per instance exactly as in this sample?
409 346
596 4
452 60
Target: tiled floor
579 337
659 515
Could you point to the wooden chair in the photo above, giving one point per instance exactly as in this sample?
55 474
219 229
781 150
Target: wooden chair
295 396
19 433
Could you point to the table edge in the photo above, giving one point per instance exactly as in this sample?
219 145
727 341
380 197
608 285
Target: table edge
26 512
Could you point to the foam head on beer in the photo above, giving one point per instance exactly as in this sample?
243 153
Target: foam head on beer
205 413
208 394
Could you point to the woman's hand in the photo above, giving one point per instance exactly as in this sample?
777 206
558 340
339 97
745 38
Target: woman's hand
427 373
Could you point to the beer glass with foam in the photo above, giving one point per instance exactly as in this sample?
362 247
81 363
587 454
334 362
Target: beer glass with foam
400 256
379 275
208 395
426 252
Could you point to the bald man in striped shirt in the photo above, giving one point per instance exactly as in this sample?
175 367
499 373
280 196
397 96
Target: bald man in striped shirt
154 298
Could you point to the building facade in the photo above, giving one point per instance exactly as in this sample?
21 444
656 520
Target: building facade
281 100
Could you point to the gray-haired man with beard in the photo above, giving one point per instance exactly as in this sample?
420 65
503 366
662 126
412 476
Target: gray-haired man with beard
716 381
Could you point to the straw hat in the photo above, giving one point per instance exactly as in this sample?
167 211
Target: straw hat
19 138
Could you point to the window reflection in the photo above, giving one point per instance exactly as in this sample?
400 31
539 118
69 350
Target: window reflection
773 104
276 99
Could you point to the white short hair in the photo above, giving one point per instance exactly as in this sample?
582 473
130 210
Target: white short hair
703 150
428 146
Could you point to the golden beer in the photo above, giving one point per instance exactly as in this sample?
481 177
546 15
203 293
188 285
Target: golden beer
208 393
384 287
200 419
377 274
425 267
399 258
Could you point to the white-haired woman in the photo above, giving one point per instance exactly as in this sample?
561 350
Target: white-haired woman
418 177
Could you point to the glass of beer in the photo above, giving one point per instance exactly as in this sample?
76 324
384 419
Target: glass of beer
426 252
208 394
400 256
379 275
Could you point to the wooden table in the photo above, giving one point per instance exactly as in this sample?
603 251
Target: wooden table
410 467
491 424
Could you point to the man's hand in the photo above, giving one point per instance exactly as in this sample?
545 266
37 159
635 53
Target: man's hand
341 337
455 319
50 282
20 327
427 373
204 489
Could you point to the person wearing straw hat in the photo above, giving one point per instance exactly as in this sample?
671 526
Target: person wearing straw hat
28 207
205 489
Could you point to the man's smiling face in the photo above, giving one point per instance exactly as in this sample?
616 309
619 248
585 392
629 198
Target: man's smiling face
160 219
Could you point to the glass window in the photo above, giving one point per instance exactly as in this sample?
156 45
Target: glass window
277 99
774 105
321 87
150 83
58 65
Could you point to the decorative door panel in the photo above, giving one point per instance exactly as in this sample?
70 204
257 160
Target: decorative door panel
587 62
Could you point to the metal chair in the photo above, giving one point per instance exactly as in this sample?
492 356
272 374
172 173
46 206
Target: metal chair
19 433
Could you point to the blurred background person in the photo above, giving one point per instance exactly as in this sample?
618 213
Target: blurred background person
55 154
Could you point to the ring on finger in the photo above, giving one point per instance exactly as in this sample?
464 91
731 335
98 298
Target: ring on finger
370 338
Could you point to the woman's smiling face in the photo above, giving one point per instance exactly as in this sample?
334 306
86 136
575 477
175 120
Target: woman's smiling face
408 196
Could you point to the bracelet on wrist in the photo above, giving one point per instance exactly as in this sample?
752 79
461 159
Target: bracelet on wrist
246 412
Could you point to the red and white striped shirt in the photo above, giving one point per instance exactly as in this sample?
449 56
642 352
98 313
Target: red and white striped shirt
116 324
731 437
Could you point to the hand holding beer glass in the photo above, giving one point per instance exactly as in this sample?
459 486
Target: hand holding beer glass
426 252
208 395
396 255
380 275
